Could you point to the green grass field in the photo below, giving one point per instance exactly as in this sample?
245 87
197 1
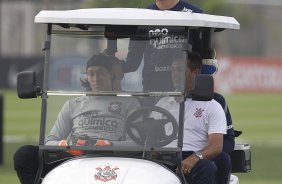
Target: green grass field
257 115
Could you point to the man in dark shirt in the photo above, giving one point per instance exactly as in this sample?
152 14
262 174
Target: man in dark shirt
159 51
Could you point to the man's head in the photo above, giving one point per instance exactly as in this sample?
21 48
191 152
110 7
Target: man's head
166 4
193 66
178 74
99 73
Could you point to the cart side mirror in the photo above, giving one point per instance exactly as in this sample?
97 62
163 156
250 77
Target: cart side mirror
203 88
26 85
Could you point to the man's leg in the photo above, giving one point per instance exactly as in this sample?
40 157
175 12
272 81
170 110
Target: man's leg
204 172
26 163
223 164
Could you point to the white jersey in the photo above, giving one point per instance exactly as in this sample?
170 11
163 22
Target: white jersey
201 118
95 116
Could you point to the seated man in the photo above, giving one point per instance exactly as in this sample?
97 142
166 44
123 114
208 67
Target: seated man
204 127
73 120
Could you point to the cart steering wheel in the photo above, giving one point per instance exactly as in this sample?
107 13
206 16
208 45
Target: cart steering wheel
150 132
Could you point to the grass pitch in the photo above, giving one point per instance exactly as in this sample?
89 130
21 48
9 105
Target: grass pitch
257 115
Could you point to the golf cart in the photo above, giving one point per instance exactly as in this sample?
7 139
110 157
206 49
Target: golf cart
72 38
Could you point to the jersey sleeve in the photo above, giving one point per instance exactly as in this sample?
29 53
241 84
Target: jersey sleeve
62 126
216 119
134 56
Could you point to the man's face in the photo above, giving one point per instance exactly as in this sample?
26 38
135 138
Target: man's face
190 74
178 74
99 78
189 77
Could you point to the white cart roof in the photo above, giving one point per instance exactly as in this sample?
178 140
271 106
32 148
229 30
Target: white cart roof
135 16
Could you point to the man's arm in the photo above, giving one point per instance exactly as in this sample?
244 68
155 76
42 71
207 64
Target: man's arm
209 152
214 147
61 128
133 61
136 50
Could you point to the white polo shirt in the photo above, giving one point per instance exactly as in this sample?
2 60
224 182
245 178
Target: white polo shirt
201 118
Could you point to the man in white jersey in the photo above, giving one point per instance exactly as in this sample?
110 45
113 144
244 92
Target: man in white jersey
204 127
87 120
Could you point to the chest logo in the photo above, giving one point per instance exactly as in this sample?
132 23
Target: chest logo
199 112
115 107
106 174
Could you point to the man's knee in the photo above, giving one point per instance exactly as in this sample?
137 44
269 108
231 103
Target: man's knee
223 160
203 172
223 163
228 143
24 155
207 167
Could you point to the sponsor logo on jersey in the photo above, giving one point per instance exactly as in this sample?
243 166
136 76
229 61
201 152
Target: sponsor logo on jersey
161 39
199 112
115 107
91 114
106 174
162 68
229 127
158 32
92 120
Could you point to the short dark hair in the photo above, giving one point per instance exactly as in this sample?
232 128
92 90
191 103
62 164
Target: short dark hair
194 61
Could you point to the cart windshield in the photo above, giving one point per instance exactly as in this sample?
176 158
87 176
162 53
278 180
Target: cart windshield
89 106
